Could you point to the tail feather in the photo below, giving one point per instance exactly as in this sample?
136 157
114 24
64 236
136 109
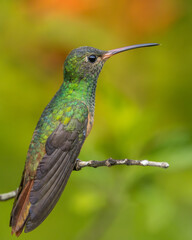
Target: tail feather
17 234
21 210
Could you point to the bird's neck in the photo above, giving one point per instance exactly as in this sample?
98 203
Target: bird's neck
83 90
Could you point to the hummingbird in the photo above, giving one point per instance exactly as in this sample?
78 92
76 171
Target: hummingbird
59 136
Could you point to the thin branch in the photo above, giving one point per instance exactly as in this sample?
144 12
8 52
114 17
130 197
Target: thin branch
111 162
9 195
106 163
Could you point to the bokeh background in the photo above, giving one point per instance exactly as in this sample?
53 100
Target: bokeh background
143 111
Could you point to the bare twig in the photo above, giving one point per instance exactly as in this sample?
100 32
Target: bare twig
106 163
111 162
9 195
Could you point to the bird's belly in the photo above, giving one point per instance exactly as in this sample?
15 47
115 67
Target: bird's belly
90 123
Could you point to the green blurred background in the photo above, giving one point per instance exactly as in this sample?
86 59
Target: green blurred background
143 111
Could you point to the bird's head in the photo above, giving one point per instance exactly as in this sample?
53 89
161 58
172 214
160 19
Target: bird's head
87 62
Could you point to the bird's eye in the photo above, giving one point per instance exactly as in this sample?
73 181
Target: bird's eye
92 58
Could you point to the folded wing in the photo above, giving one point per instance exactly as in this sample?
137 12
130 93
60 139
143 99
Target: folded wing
62 149
38 196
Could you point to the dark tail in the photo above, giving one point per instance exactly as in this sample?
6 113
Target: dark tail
48 187
20 210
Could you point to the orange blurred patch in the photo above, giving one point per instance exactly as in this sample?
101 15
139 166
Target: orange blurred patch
63 6
152 15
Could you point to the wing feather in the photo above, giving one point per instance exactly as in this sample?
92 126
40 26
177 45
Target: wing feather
53 172
38 196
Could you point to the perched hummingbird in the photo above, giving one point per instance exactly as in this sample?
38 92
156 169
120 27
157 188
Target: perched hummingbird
58 137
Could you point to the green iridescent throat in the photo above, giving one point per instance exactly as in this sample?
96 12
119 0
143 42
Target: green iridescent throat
83 91
80 86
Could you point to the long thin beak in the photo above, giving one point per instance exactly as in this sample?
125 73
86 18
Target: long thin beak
110 53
